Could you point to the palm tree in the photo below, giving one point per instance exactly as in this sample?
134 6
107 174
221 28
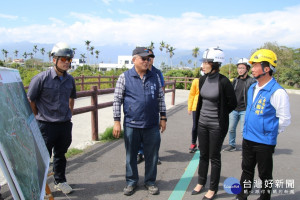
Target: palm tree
82 57
97 54
171 52
151 46
31 55
74 49
49 56
92 52
162 46
195 55
35 49
42 50
87 43
5 54
16 53
24 55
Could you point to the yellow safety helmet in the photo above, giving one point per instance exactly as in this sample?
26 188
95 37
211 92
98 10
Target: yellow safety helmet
264 55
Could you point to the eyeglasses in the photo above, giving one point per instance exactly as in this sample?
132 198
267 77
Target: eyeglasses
145 58
64 59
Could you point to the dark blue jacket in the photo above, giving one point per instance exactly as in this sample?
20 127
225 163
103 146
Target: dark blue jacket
141 105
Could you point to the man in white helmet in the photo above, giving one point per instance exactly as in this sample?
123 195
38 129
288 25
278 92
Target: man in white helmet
241 85
51 94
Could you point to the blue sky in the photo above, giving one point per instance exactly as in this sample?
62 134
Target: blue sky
230 24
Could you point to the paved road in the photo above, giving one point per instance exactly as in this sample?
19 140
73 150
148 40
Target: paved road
99 172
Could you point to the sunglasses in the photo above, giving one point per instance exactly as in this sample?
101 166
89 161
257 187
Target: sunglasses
145 58
64 59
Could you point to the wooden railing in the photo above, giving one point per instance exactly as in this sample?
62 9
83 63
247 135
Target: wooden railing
94 92
82 81
93 108
184 80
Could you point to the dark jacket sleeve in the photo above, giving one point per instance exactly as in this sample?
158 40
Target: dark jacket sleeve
230 97
199 104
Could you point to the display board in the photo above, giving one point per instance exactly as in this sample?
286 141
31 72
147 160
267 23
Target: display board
24 157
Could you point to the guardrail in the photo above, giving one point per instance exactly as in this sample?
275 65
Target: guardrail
93 108
83 81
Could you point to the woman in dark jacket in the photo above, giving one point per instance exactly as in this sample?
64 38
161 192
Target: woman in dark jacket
216 101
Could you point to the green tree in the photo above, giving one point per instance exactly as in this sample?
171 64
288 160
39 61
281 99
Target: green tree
179 73
49 56
16 52
5 52
87 43
233 71
97 52
92 52
24 55
151 46
195 55
74 49
35 49
162 46
171 53
42 50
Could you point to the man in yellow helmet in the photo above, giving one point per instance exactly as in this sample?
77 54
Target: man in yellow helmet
267 115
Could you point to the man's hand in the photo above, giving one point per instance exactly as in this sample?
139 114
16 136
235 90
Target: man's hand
162 125
117 129
189 112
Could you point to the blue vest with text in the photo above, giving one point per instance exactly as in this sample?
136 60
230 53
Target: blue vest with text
261 123
141 105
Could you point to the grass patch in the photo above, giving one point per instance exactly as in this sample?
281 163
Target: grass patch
108 136
72 152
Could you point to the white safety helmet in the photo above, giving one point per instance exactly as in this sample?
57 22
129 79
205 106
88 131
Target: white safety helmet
244 61
213 54
62 49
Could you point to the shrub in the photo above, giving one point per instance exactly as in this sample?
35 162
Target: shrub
108 136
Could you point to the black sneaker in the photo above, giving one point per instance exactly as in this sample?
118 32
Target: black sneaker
152 189
129 190
140 158
229 148
193 148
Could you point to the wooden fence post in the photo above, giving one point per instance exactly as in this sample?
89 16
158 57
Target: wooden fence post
185 82
82 83
173 93
113 81
99 81
94 113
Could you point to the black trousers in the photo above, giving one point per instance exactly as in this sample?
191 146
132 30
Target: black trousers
262 155
57 137
210 144
194 129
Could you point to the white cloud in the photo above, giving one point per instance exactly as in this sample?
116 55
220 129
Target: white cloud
11 17
184 32
107 2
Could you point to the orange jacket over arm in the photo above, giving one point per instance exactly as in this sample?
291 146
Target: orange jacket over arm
193 96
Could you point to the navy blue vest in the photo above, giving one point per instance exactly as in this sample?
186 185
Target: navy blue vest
261 123
141 108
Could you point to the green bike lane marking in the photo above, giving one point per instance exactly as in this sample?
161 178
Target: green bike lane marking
186 178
